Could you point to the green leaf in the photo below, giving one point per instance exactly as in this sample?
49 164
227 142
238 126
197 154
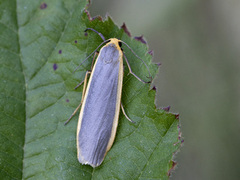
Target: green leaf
41 44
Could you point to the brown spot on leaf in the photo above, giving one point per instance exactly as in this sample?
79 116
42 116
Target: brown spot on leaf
90 18
89 3
172 168
97 17
166 108
177 116
151 52
180 138
154 88
140 38
179 133
125 29
88 15
158 64
55 66
43 6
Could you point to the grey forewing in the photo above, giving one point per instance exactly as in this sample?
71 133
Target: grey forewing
100 106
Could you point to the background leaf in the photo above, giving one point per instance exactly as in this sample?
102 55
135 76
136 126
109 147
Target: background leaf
41 44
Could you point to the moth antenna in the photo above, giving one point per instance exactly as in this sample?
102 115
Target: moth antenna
90 55
100 34
150 76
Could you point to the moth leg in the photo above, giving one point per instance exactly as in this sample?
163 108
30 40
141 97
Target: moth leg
126 114
100 34
83 94
73 114
84 89
80 83
94 57
130 71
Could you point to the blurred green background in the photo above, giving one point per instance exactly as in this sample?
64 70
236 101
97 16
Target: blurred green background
198 45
